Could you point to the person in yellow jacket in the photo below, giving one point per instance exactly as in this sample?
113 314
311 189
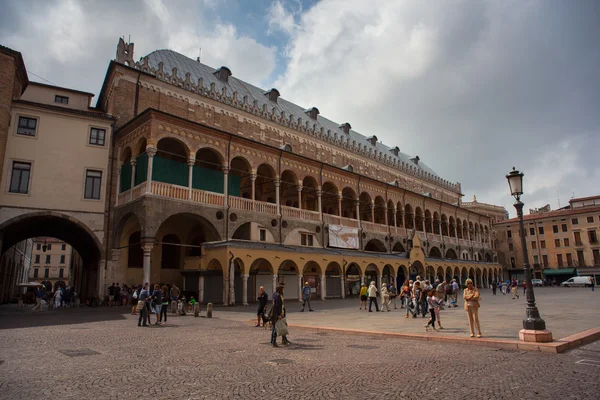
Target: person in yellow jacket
363 296
471 296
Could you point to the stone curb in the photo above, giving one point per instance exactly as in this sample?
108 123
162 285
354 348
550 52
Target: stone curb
555 347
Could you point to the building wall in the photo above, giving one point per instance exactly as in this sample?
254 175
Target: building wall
60 154
14 269
540 245
56 250
45 94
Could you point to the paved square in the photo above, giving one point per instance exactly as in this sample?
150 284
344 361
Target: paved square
196 358
565 310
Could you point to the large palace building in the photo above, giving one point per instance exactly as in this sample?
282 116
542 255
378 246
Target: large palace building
222 187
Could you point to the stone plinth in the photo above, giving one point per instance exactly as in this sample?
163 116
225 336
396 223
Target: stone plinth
529 335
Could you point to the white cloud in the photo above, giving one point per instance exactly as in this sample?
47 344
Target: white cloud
70 43
280 19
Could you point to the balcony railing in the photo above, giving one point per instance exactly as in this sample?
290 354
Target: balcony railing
297 213
214 199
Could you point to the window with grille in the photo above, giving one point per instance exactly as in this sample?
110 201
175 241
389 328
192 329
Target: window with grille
61 99
27 126
97 136
19 180
93 181
306 239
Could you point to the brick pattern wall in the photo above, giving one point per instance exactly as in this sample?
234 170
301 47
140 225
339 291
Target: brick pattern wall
8 86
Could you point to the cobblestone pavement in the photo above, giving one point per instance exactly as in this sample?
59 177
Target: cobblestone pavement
565 310
101 353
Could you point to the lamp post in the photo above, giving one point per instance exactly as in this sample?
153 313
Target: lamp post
532 320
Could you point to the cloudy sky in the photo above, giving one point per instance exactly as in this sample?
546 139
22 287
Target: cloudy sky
472 87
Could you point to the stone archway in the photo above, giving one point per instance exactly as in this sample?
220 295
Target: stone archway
68 229
417 269
353 280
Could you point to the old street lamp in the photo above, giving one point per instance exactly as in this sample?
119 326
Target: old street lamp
534 327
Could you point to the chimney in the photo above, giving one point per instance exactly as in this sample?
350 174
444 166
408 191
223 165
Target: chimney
312 112
346 127
415 160
373 140
223 73
395 151
272 94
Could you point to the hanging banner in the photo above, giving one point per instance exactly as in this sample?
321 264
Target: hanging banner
343 237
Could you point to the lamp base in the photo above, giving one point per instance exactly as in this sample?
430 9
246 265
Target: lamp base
530 335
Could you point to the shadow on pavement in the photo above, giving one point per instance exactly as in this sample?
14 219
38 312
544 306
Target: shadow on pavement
65 316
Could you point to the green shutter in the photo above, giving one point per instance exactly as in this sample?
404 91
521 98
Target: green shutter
141 168
125 177
207 179
234 185
170 171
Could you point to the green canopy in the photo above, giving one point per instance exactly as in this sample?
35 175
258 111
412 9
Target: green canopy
559 271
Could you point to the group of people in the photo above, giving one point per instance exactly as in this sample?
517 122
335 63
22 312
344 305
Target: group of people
422 297
155 301
64 296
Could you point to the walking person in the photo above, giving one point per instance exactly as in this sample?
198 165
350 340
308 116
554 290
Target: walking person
278 313
471 296
494 286
144 298
165 304
455 290
385 298
363 296
393 294
406 295
524 287
263 298
514 287
57 298
416 298
373 297
306 291
592 283
431 305
39 295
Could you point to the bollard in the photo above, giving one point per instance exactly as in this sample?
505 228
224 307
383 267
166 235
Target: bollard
173 307
209 308
197 310
77 302
20 304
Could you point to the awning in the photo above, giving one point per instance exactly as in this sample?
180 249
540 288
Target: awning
559 271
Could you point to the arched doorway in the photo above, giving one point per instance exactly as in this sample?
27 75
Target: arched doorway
402 276
375 245
261 274
311 273
371 275
353 280
388 274
64 228
213 283
333 281
287 274
417 269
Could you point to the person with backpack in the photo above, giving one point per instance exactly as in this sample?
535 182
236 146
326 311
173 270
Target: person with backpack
306 291
157 302
143 301
406 295
134 302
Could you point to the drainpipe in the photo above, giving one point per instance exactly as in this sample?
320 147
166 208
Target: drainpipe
387 218
321 211
110 182
137 96
279 199
226 199
360 240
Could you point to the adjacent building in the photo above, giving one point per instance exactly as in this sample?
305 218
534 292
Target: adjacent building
54 165
14 269
560 243
51 262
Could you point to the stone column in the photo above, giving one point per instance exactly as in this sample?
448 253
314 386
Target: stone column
362 278
119 171
300 287
133 162
253 180
343 286
151 153
323 287
319 193
357 205
191 161
339 199
245 289
147 250
232 283
277 199
373 211
395 217
299 189
395 280
379 279
274 282
226 185
201 289
455 232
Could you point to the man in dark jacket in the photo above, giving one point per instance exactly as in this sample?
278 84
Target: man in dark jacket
277 314
263 298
